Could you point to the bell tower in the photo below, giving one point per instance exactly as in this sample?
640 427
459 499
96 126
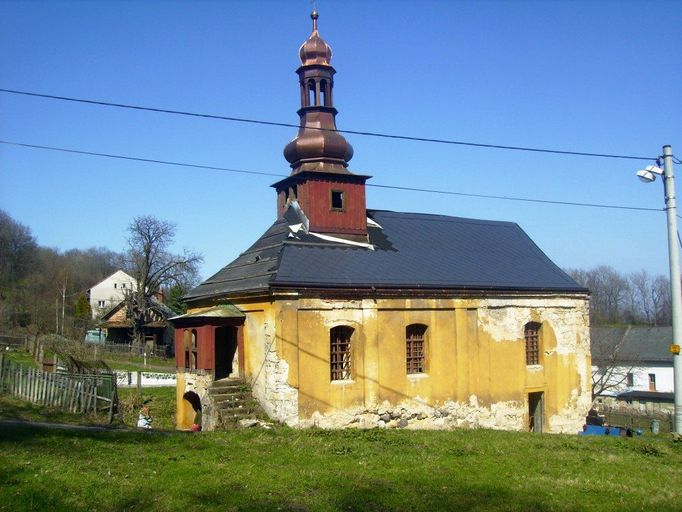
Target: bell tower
332 197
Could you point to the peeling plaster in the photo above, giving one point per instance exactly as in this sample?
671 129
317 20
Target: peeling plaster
417 415
277 398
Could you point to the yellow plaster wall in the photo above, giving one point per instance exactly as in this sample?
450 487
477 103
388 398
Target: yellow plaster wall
464 357
475 354
184 415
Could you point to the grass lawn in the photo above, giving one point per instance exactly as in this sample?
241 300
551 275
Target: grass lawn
161 402
20 356
377 470
127 362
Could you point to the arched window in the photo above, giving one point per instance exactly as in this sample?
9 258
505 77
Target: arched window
340 359
531 333
323 92
415 341
193 358
311 93
187 347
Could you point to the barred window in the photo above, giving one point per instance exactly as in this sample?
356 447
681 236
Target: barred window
532 335
340 352
415 335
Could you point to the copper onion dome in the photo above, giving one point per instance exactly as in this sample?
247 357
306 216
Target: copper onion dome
315 50
318 146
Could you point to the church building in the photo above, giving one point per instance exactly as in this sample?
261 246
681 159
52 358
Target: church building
343 316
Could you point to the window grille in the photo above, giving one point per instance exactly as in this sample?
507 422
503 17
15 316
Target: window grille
532 335
340 352
414 348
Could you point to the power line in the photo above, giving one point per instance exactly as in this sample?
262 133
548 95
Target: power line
137 159
351 132
375 185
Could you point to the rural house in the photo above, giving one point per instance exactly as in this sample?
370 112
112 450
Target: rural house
343 316
109 292
158 331
633 366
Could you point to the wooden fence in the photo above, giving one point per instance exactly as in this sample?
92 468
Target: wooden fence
9 340
77 393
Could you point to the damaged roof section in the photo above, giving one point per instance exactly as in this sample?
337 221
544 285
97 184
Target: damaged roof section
219 311
404 250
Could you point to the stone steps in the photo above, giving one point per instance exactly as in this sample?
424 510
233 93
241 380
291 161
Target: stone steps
234 402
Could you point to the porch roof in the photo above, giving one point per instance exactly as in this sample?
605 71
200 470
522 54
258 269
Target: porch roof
219 311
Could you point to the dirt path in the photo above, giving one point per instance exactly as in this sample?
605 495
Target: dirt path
86 428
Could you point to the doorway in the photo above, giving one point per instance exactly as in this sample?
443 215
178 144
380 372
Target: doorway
225 349
536 411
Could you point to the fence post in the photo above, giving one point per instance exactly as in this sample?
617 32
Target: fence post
139 380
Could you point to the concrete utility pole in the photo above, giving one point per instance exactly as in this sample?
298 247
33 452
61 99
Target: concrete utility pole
675 286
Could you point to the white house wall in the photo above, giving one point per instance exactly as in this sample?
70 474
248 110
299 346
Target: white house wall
110 292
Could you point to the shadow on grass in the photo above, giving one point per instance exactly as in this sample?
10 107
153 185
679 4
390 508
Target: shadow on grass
402 496
28 434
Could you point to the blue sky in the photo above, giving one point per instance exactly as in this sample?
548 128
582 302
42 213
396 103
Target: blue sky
591 76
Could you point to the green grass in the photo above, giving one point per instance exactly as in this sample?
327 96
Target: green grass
284 469
161 402
20 356
133 363
15 409
115 361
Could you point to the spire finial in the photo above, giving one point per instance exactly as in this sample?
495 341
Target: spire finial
314 16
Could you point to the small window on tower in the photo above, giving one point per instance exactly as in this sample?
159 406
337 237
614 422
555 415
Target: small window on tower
338 200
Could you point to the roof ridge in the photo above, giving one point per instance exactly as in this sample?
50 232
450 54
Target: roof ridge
424 216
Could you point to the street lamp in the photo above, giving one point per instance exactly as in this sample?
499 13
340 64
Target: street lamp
648 175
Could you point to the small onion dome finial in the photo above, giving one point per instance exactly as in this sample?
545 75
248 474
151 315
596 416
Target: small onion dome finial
315 50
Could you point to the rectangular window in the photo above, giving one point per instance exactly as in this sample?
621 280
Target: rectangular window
532 336
338 200
100 303
414 348
123 285
115 285
630 380
339 352
652 382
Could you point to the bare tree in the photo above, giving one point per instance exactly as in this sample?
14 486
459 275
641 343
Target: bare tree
609 289
153 266
661 298
612 362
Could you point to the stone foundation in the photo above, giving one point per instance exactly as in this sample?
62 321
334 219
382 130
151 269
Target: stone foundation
416 415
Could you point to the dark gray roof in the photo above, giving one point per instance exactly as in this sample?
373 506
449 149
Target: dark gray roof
412 251
649 396
631 345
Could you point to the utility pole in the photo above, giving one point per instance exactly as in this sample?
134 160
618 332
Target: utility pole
675 285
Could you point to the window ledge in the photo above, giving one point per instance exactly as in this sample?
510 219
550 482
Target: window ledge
344 382
534 367
417 376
